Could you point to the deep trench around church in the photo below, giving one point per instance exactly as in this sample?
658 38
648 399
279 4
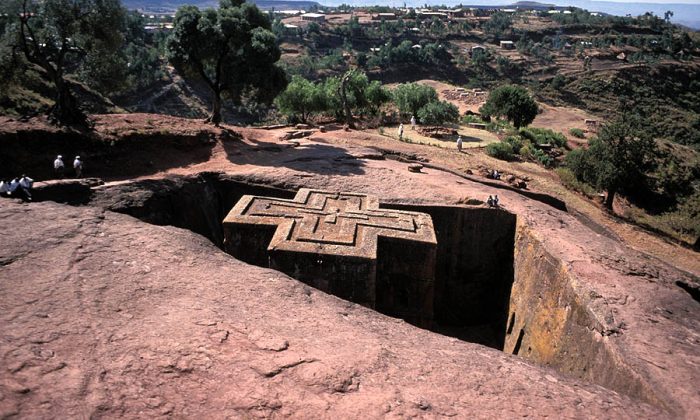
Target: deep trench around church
495 284
473 269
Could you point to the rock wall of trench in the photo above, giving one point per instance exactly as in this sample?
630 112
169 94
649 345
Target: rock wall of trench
491 271
198 203
550 324
474 270
136 153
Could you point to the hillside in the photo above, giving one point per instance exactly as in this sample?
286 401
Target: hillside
172 5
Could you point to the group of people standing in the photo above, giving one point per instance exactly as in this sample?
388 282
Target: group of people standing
18 187
59 167
21 187
492 201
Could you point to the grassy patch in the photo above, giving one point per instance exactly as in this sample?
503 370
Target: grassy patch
568 179
577 132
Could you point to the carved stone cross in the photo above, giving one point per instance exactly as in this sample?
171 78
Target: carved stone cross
341 243
330 223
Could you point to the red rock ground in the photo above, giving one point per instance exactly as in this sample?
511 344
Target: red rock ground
103 315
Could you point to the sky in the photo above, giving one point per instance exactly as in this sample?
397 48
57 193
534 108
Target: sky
697 2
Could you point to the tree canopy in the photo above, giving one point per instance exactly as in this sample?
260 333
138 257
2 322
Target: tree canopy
438 112
300 99
56 34
303 98
411 97
618 159
512 102
231 49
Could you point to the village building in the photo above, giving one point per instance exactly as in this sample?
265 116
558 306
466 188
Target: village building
291 29
384 16
507 45
288 13
453 13
429 15
477 49
313 17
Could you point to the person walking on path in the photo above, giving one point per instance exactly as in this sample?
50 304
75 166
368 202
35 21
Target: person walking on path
58 167
413 122
78 167
401 131
459 143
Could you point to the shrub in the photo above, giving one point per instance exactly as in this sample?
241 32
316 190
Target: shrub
526 151
543 136
469 118
543 158
438 112
500 150
558 82
515 142
498 125
568 179
686 219
576 132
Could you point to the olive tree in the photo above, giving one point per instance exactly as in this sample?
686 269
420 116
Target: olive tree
411 97
512 102
301 98
618 159
231 49
57 34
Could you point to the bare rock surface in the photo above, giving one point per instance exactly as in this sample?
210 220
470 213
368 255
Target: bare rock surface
103 315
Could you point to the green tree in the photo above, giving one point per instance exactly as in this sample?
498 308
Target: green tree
300 99
231 49
58 34
498 24
618 159
438 112
351 92
376 96
512 102
410 97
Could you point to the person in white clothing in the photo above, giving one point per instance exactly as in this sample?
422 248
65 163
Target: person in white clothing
58 166
413 122
4 187
78 167
25 187
459 143
26 182
14 185
401 131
